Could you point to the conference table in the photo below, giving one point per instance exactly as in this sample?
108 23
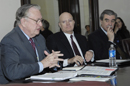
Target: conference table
123 74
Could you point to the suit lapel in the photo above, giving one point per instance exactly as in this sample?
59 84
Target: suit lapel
40 52
65 42
25 43
79 42
102 35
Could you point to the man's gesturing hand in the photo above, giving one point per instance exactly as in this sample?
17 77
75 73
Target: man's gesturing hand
52 59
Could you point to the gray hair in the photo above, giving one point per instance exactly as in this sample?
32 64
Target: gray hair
108 12
23 11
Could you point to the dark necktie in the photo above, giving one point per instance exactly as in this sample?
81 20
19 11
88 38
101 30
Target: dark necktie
32 43
74 46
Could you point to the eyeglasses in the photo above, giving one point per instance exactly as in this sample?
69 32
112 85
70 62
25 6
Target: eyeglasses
37 21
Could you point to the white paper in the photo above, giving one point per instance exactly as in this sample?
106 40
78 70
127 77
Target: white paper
89 79
73 68
96 70
117 60
61 75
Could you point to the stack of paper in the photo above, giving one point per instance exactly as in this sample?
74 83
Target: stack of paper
90 79
61 75
76 68
117 60
94 73
96 70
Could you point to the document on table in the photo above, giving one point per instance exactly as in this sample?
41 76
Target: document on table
97 70
90 79
117 60
61 75
76 68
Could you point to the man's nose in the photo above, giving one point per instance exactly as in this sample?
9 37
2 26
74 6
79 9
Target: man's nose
110 23
67 23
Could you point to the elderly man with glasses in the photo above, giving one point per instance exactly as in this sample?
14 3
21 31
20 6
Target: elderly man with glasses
24 52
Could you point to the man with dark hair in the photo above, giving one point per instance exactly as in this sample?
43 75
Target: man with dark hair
45 29
102 38
24 52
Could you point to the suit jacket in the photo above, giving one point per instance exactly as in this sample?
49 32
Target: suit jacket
59 42
46 33
18 57
3 80
98 41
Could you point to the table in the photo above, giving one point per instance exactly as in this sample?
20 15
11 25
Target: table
122 80
123 73
123 76
81 83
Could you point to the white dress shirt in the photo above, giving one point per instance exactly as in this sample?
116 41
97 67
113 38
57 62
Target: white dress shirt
65 62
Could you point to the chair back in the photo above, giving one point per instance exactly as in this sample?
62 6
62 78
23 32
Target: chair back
126 45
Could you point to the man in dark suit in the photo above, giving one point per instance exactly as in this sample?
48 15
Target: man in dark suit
102 38
24 49
61 41
3 80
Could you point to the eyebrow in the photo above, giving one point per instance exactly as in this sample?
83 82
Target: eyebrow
114 19
108 19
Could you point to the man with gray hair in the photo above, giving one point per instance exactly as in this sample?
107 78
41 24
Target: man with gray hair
102 38
24 52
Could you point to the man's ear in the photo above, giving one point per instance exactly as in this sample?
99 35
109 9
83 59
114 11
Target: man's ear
101 22
59 24
23 22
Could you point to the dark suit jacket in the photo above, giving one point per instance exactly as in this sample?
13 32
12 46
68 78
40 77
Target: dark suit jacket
46 33
59 42
98 41
18 57
3 80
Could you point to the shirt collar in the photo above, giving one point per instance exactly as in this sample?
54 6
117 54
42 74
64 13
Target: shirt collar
103 30
68 35
26 35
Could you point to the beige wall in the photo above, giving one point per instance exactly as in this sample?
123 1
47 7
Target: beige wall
84 14
49 10
7 15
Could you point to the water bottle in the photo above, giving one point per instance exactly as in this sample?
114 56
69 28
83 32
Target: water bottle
113 80
112 56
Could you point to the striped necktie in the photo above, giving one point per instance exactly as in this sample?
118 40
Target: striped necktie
32 43
74 46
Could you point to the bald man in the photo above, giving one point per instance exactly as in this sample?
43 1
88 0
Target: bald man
61 41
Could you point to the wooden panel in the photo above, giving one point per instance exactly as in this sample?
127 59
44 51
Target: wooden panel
94 14
25 2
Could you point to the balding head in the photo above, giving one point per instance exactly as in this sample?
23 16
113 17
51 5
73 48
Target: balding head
66 22
64 14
